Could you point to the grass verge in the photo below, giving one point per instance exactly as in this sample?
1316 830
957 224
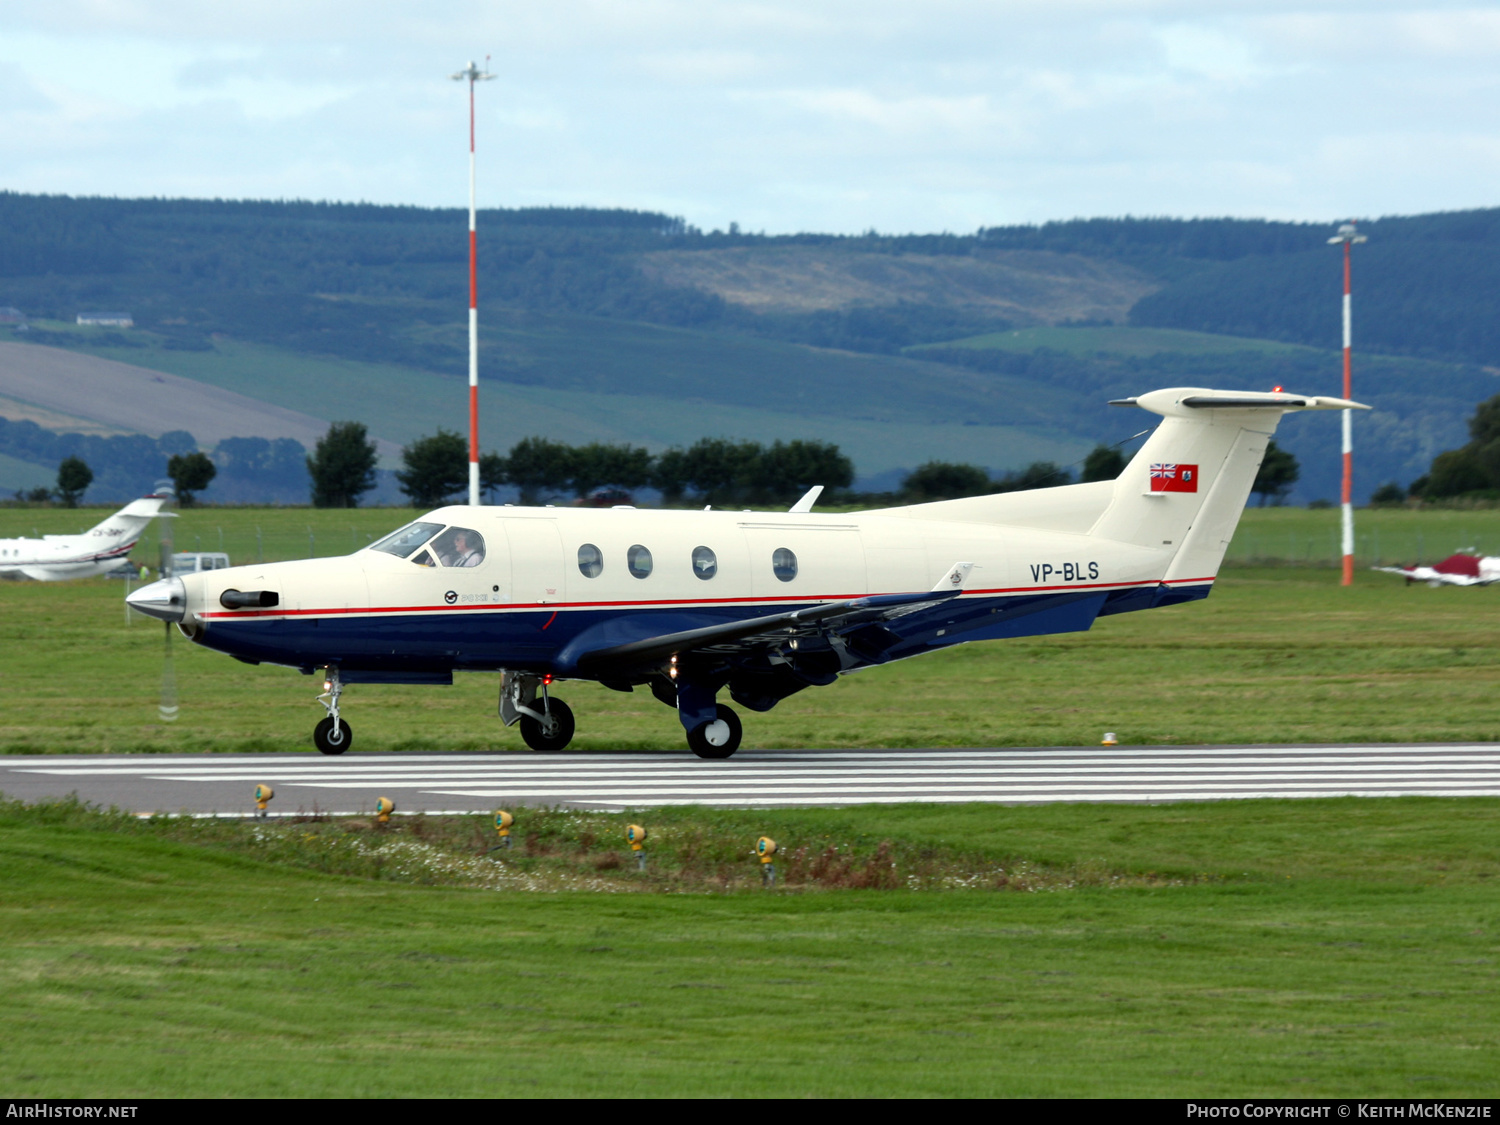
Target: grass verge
1296 949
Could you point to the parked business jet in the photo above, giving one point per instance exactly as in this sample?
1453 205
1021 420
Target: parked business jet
762 603
53 558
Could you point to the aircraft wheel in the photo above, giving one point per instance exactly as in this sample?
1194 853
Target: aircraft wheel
553 735
331 741
718 739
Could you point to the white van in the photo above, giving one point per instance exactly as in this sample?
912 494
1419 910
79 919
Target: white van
194 562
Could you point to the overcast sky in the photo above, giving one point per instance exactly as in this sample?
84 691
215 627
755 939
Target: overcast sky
782 115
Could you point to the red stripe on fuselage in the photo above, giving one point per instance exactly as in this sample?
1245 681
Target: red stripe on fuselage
503 607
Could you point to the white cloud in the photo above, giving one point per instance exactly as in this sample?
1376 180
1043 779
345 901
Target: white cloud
822 114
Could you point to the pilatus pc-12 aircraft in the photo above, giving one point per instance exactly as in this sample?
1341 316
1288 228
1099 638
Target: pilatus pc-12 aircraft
53 558
762 603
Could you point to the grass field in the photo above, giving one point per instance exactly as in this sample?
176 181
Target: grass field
1277 654
1237 949
1119 341
581 379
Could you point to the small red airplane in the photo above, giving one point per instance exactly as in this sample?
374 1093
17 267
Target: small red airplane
1455 570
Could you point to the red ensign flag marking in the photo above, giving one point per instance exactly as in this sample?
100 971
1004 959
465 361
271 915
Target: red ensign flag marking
1173 477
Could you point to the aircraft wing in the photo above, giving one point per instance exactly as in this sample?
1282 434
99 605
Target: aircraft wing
756 631
1434 577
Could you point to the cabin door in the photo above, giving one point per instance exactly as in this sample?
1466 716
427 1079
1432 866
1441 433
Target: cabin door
536 574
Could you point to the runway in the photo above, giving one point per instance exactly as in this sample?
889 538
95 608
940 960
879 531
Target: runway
207 784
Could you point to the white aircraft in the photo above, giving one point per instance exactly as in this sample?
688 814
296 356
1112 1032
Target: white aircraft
53 558
763 603
1455 570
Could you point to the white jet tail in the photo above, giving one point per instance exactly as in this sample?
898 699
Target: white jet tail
125 526
1188 484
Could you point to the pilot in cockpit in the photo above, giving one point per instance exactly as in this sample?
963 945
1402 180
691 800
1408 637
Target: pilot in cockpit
460 547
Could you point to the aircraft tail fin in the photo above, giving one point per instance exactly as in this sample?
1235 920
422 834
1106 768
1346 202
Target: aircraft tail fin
1187 485
126 525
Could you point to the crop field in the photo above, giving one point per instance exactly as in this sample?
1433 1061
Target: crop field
1257 948
1279 653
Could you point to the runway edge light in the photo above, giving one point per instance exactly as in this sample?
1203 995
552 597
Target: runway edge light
1110 739
503 821
383 809
637 837
765 848
263 794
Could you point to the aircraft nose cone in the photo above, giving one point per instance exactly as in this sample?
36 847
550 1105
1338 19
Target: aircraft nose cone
165 600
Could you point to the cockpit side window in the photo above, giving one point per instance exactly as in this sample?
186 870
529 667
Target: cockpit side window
402 543
459 546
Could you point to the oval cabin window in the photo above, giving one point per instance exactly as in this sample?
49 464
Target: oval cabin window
705 563
638 560
590 561
784 564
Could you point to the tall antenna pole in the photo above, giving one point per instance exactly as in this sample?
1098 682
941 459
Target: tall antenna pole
473 74
1348 236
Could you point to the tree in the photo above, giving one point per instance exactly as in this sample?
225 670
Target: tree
536 465
342 466
73 480
944 480
436 467
1456 471
492 469
1278 472
669 475
190 473
1104 462
596 465
721 471
1390 495
1038 474
788 469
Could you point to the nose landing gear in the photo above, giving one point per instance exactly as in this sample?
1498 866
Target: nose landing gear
332 735
546 721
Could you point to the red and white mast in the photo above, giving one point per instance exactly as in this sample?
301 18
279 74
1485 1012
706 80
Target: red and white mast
1348 236
473 74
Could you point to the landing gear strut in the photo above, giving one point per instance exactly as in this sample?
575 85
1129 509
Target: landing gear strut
332 735
546 721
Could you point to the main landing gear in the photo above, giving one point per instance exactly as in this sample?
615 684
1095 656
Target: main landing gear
713 730
719 737
332 735
546 721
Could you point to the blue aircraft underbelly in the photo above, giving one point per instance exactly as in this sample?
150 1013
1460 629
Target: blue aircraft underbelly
428 647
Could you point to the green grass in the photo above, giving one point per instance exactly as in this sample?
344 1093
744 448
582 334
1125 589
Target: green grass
1253 949
1383 536
1120 341
582 379
1276 654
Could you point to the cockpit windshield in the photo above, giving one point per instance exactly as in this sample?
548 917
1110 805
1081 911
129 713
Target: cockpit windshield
459 546
402 543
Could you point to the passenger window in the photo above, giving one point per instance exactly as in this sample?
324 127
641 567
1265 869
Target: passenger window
402 543
459 546
784 564
705 563
638 559
590 561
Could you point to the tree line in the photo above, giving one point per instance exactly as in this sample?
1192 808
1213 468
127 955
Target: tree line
1472 470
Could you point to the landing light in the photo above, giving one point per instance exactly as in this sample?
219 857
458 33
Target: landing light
765 848
503 821
383 809
263 794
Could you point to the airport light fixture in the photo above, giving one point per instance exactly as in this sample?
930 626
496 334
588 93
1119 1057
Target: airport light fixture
1348 235
473 74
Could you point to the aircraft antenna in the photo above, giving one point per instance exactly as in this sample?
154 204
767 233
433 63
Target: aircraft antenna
473 74
1348 235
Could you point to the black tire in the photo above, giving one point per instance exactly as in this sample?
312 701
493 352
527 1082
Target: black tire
698 741
555 735
329 742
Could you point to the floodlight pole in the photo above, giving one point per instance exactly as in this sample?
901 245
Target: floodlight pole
473 74
1348 236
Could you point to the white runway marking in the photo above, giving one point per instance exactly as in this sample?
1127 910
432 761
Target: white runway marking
760 778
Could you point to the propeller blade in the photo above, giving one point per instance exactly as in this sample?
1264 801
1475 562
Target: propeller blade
167 709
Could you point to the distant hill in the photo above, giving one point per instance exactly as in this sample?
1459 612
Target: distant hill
632 325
